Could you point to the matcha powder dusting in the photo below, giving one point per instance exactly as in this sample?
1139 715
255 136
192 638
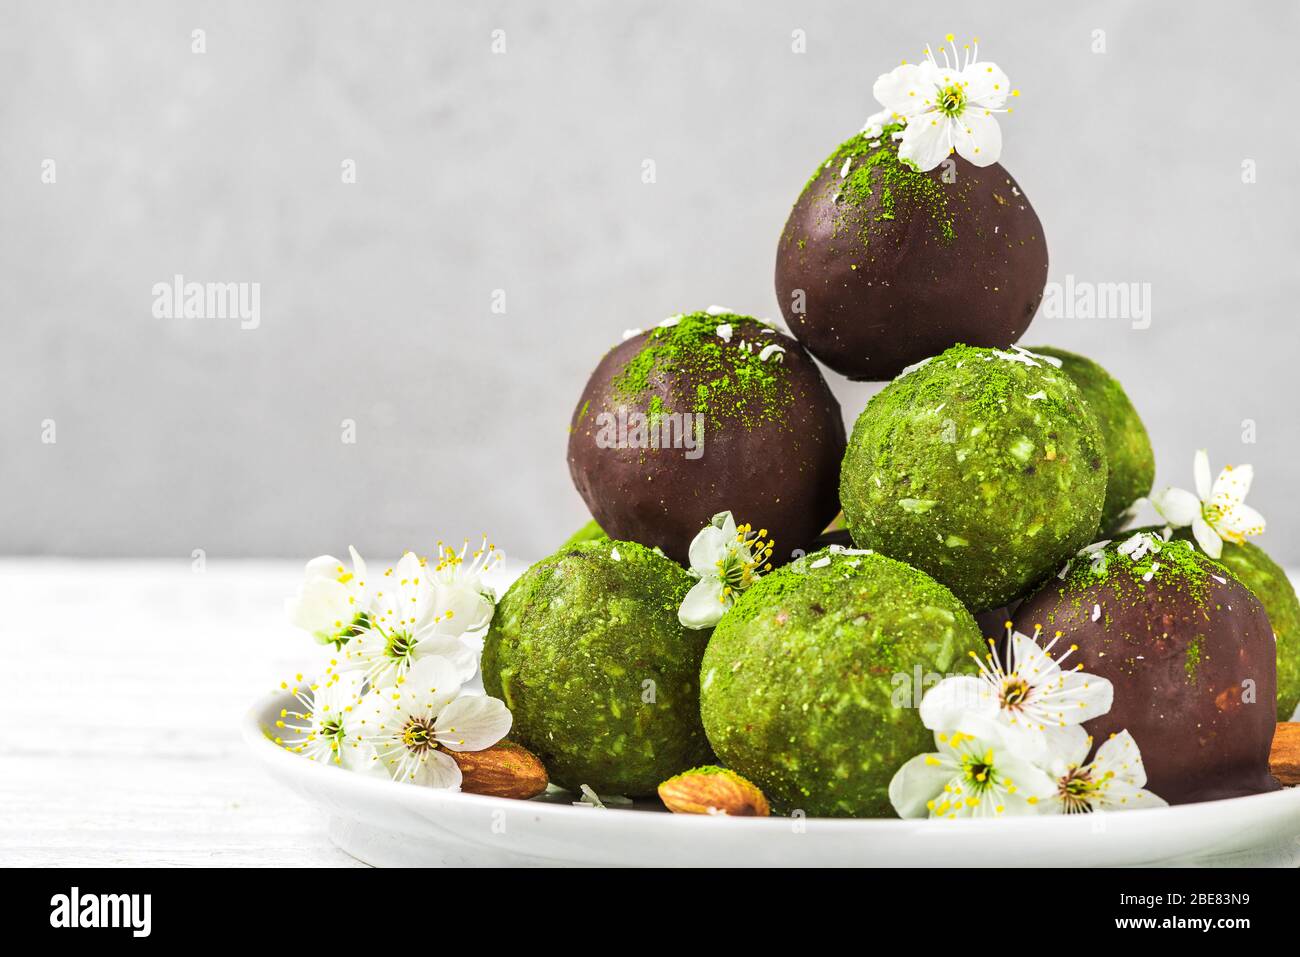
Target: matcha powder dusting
733 379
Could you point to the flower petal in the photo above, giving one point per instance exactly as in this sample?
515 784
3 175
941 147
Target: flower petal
1067 747
986 85
901 91
708 547
920 781
1119 757
1239 523
943 706
437 770
472 723
1031 661
1031 782
875 124
1232 485
1207 537
323 566
927 140
977 136
321 607
429 686
703 606
1073 698
451 649
1176 506
358 566
1119 796
1201 473
462 607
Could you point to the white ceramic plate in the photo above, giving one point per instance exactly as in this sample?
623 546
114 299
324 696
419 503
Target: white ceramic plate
389 824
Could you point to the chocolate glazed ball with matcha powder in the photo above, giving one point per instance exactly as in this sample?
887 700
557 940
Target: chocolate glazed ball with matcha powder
1269 583
1129 458
809 684
587 653
881 265
1189 651
705 413
983 468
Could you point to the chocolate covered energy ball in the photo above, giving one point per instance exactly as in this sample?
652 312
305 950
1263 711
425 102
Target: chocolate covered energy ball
1270 584
587 653
707 412
983 468
1129 457
1189 651
880 265
810 684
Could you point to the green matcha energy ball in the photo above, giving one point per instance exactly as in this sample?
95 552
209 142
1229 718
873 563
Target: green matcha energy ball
983 468
1268 582
587 653
811 682
1129 457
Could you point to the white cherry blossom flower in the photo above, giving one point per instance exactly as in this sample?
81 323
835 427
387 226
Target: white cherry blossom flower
332 602
976 772
460 592
1112 782
1029 694
1217 513
726 559
407 624
411 726
946 108
319 730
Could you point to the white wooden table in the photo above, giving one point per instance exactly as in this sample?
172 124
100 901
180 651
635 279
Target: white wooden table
121 689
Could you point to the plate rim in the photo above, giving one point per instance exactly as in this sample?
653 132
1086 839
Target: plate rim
255 721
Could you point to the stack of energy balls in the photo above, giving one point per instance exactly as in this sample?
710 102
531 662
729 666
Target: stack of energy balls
976 483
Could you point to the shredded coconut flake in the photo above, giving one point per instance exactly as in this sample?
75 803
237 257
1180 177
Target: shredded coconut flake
629 333
914 366
720 311
1050 360
844 170
724 332
613 553
1096 612
1035 396
844 550
1020 357
670 322
821 562
771 350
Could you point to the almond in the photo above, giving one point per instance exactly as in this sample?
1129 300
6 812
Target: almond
713 790
1285 759
505 770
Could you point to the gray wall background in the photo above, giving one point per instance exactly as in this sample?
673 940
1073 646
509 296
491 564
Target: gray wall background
521 172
